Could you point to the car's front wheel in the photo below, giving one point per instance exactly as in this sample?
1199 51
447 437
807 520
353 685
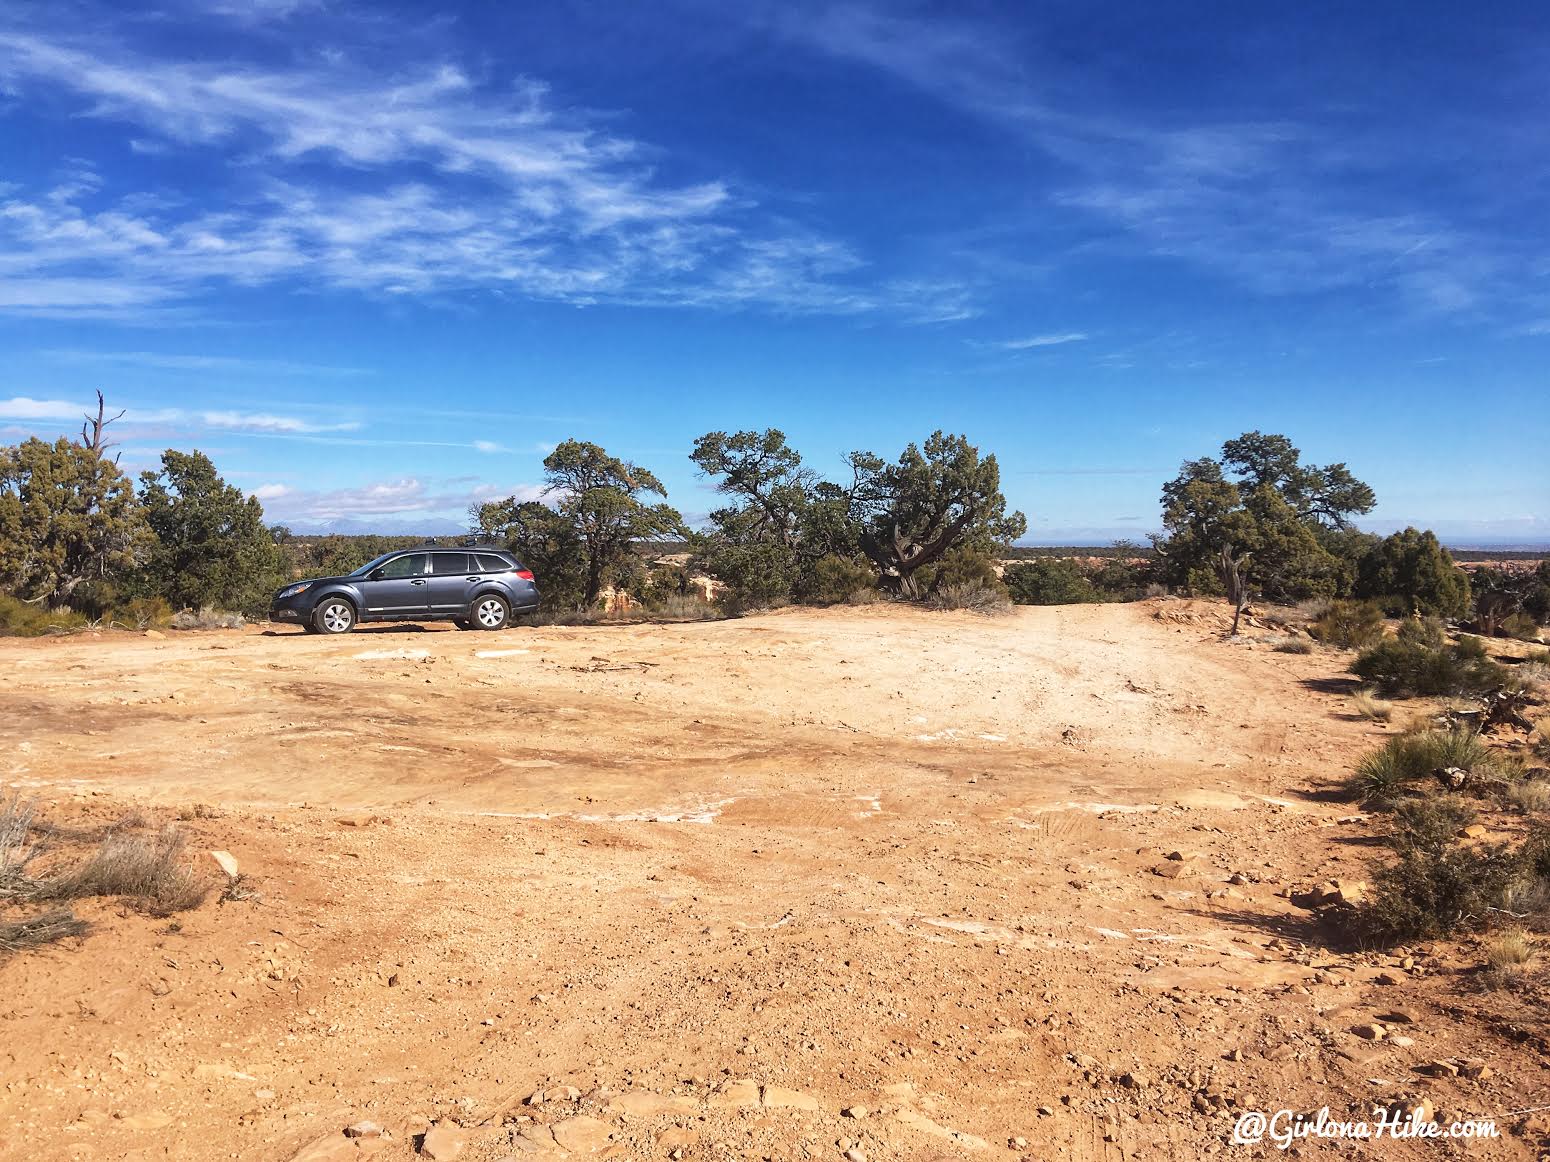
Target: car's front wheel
491 612
335 615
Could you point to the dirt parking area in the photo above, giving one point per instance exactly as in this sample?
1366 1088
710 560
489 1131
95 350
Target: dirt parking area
863 883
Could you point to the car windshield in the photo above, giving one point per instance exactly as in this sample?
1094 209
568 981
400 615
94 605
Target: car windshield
373 563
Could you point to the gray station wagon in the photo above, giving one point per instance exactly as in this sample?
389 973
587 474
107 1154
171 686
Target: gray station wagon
474 588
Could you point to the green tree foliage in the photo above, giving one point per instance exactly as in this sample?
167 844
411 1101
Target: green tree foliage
762 546
1286 524
587 540
212 546
68 519
1050 581
934 498
1410 572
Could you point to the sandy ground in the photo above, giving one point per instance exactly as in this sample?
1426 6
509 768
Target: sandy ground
883 859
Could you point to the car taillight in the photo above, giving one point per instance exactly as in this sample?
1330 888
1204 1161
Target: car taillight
525 574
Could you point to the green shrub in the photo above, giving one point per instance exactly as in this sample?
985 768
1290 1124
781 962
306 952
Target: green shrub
23 619
1521 626
1431 892
1427 632
1401 669
1385 776
1409 573
1349 625
835 578
1430 823
1049 581
142 613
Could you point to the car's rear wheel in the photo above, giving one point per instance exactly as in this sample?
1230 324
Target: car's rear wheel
462 623
334 615
491 612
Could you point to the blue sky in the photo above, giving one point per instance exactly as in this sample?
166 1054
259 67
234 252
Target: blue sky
377 260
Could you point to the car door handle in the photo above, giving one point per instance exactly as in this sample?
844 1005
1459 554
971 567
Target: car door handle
417 582
474 578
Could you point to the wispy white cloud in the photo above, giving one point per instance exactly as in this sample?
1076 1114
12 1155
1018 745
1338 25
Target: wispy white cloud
425 183
267 422
1056 339
398 497
222 364
55 411
489 446
1272 204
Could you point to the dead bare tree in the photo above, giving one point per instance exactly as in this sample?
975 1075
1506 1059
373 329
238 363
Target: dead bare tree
1230 570
94 431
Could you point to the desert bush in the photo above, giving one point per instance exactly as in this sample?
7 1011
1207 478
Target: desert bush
1049 581
1429 823
1508 954
23 619
1293 645
834 578
1410 572
972 599
865 595
1349 625
1431 892
1530 795
1386 775
149 873
207 618
1401 669
1371 707
36 931
681 607
1521 626
141 613
17 848
1426 632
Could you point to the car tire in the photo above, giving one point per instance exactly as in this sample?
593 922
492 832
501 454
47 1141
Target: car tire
462 623
308 627
490 611
334 615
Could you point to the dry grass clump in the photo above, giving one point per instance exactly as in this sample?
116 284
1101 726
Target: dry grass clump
682 607
1509 954
863 595
1349 625
38 931
1530 795
972 597
1291 645
207 618
149 873
1367 703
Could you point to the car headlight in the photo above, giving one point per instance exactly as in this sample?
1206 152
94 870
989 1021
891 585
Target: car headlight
293 590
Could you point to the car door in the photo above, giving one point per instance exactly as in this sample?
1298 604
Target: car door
398 588
451 583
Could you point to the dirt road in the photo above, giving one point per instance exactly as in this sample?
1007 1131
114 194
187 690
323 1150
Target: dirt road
901 863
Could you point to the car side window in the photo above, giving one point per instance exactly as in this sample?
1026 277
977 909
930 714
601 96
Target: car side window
489 564
445 563
412 565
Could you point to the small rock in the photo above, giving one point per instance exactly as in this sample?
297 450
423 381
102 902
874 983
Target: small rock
1438 1069
775 1097
1476 1070
582 1135
1389 978
855 1154
1401 1041
1238 879
1370 1032
226 861
443 1141
735 1095
857 1112
1171 871
1233 1055
1400 1017
1474 831
363 1129
155 634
